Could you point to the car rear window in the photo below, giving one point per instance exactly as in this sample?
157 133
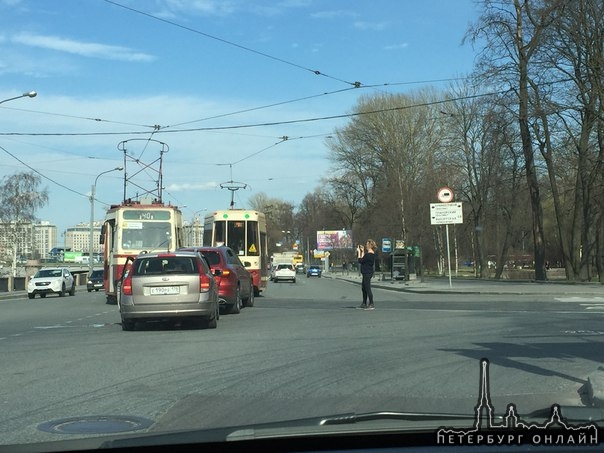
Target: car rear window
212 257
285 266
166 265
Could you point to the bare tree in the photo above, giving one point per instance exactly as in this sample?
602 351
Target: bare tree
513 32
20 197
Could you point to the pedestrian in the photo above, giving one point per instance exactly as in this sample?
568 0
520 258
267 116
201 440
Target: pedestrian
366 258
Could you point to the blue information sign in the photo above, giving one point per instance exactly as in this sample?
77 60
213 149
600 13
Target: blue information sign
386 245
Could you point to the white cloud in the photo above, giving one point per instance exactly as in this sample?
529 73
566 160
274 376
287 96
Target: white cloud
403 45
374 26
87 49
188 186
331 14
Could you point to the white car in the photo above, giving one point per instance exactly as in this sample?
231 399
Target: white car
284 272
51 280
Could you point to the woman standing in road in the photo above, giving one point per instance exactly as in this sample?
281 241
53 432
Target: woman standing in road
366 257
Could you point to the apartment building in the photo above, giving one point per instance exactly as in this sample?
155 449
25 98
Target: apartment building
33 240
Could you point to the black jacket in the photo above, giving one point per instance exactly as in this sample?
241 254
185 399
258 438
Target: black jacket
367 263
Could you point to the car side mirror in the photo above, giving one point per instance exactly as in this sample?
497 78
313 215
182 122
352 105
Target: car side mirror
217 272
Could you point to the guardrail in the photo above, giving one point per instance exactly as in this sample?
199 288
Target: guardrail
8 283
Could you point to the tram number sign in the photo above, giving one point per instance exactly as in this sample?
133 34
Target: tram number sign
446 213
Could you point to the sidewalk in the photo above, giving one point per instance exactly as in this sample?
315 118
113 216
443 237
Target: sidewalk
468 285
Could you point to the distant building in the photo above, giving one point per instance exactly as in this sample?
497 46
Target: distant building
45 238
78 238
33 240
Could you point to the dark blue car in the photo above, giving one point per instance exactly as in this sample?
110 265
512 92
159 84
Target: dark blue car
313 271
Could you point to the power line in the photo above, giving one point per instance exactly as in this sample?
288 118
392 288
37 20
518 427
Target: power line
43 175
252 125
231 43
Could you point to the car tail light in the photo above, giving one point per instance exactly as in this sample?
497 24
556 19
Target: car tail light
204 283
127 285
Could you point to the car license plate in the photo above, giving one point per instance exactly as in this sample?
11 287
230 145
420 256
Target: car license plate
164 290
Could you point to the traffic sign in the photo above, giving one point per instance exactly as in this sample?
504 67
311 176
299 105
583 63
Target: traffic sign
444 195
446 213
386 245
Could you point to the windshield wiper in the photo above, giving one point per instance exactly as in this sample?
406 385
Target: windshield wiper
344 419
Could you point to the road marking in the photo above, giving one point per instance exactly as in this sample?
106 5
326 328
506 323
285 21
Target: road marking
593 300
57 326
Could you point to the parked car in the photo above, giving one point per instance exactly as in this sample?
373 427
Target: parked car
164 286
313 271
51 280
95 280
235 283
284 272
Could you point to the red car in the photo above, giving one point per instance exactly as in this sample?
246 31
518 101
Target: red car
235 284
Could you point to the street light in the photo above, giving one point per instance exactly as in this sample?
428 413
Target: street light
196 229
92 194
30 94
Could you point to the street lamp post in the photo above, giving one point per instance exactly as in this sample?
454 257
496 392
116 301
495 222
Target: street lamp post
92 194
196 228
29 94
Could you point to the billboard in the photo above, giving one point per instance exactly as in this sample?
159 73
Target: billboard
334 239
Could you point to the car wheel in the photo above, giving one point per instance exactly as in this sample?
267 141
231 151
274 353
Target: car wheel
72 290
31 296
89 290
249 302
62 292
42 295
128 324
236 307
212 323
294 280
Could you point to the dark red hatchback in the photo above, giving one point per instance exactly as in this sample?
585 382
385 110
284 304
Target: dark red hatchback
235 284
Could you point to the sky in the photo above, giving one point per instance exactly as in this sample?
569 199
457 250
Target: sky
241 91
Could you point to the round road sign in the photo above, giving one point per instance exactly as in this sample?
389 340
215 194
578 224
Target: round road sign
444 195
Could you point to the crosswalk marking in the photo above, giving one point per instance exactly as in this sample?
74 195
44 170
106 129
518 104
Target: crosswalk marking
594 303
591 300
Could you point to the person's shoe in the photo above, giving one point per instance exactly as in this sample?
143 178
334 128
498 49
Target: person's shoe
370 307
362 307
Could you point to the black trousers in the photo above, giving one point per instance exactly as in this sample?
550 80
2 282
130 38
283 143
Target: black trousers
366 288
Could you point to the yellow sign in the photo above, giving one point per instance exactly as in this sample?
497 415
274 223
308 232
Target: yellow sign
252 249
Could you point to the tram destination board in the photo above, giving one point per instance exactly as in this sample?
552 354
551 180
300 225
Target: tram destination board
446 213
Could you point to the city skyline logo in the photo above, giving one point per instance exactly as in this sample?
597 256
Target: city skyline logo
513 430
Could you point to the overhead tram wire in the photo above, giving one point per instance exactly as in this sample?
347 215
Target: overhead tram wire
252 125
155 128
305 98
230 43
96 120
42 174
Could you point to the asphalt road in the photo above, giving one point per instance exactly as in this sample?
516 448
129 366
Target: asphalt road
303 350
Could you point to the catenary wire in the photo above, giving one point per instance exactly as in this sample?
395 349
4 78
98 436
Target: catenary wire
231 43
252 125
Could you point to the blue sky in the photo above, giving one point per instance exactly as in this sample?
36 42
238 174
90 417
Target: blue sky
109 71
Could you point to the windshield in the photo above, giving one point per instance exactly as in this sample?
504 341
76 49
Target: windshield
146 235
402 203
49 273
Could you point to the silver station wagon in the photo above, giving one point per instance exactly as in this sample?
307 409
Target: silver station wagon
168 286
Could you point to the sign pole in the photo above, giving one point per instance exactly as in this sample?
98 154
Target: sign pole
449 256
